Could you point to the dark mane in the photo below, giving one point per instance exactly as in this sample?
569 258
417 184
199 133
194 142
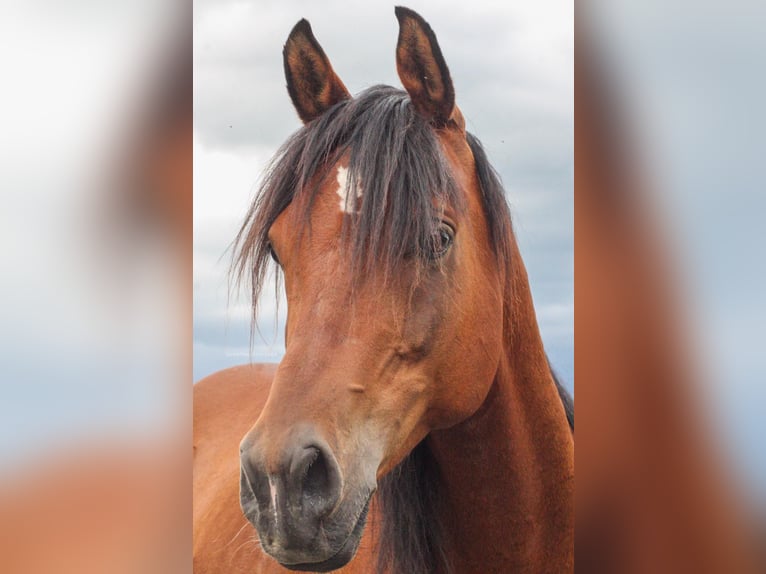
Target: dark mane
396 156
411 535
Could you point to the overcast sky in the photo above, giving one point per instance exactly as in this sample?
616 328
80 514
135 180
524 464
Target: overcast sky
512 66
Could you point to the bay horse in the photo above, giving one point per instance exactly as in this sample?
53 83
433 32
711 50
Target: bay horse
415 395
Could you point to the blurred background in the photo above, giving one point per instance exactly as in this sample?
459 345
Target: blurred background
90 313
689 103
95 298
96 179
669 192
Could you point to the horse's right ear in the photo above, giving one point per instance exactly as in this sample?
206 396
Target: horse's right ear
422 69
311 82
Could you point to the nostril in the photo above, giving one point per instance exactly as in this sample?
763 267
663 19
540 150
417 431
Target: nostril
315 482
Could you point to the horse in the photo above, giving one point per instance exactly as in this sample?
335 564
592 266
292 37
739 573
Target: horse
414 424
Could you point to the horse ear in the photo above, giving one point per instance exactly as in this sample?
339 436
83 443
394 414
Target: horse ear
422 68
311 82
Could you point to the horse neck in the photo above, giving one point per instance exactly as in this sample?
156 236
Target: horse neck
507 473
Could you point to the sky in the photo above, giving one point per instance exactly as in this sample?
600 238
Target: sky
512 67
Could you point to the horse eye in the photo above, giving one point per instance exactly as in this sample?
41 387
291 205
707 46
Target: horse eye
443 241
273 254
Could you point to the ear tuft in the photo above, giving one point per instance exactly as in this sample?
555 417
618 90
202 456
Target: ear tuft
311 82
422 68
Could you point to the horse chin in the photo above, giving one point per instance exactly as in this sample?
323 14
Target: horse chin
344 555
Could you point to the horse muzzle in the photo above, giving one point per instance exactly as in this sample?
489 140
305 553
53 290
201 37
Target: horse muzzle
297 504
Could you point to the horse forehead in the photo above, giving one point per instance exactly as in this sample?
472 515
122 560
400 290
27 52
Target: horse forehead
341 192
325 215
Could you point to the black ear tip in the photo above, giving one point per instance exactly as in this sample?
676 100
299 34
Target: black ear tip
403 13
302 28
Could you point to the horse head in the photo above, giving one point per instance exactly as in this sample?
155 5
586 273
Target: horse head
393 244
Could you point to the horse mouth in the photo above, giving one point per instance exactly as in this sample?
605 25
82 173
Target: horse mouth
346 552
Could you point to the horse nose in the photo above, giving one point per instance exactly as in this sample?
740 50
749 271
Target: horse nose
292 495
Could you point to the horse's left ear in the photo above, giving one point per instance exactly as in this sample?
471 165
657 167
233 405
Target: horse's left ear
422 69
313 85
